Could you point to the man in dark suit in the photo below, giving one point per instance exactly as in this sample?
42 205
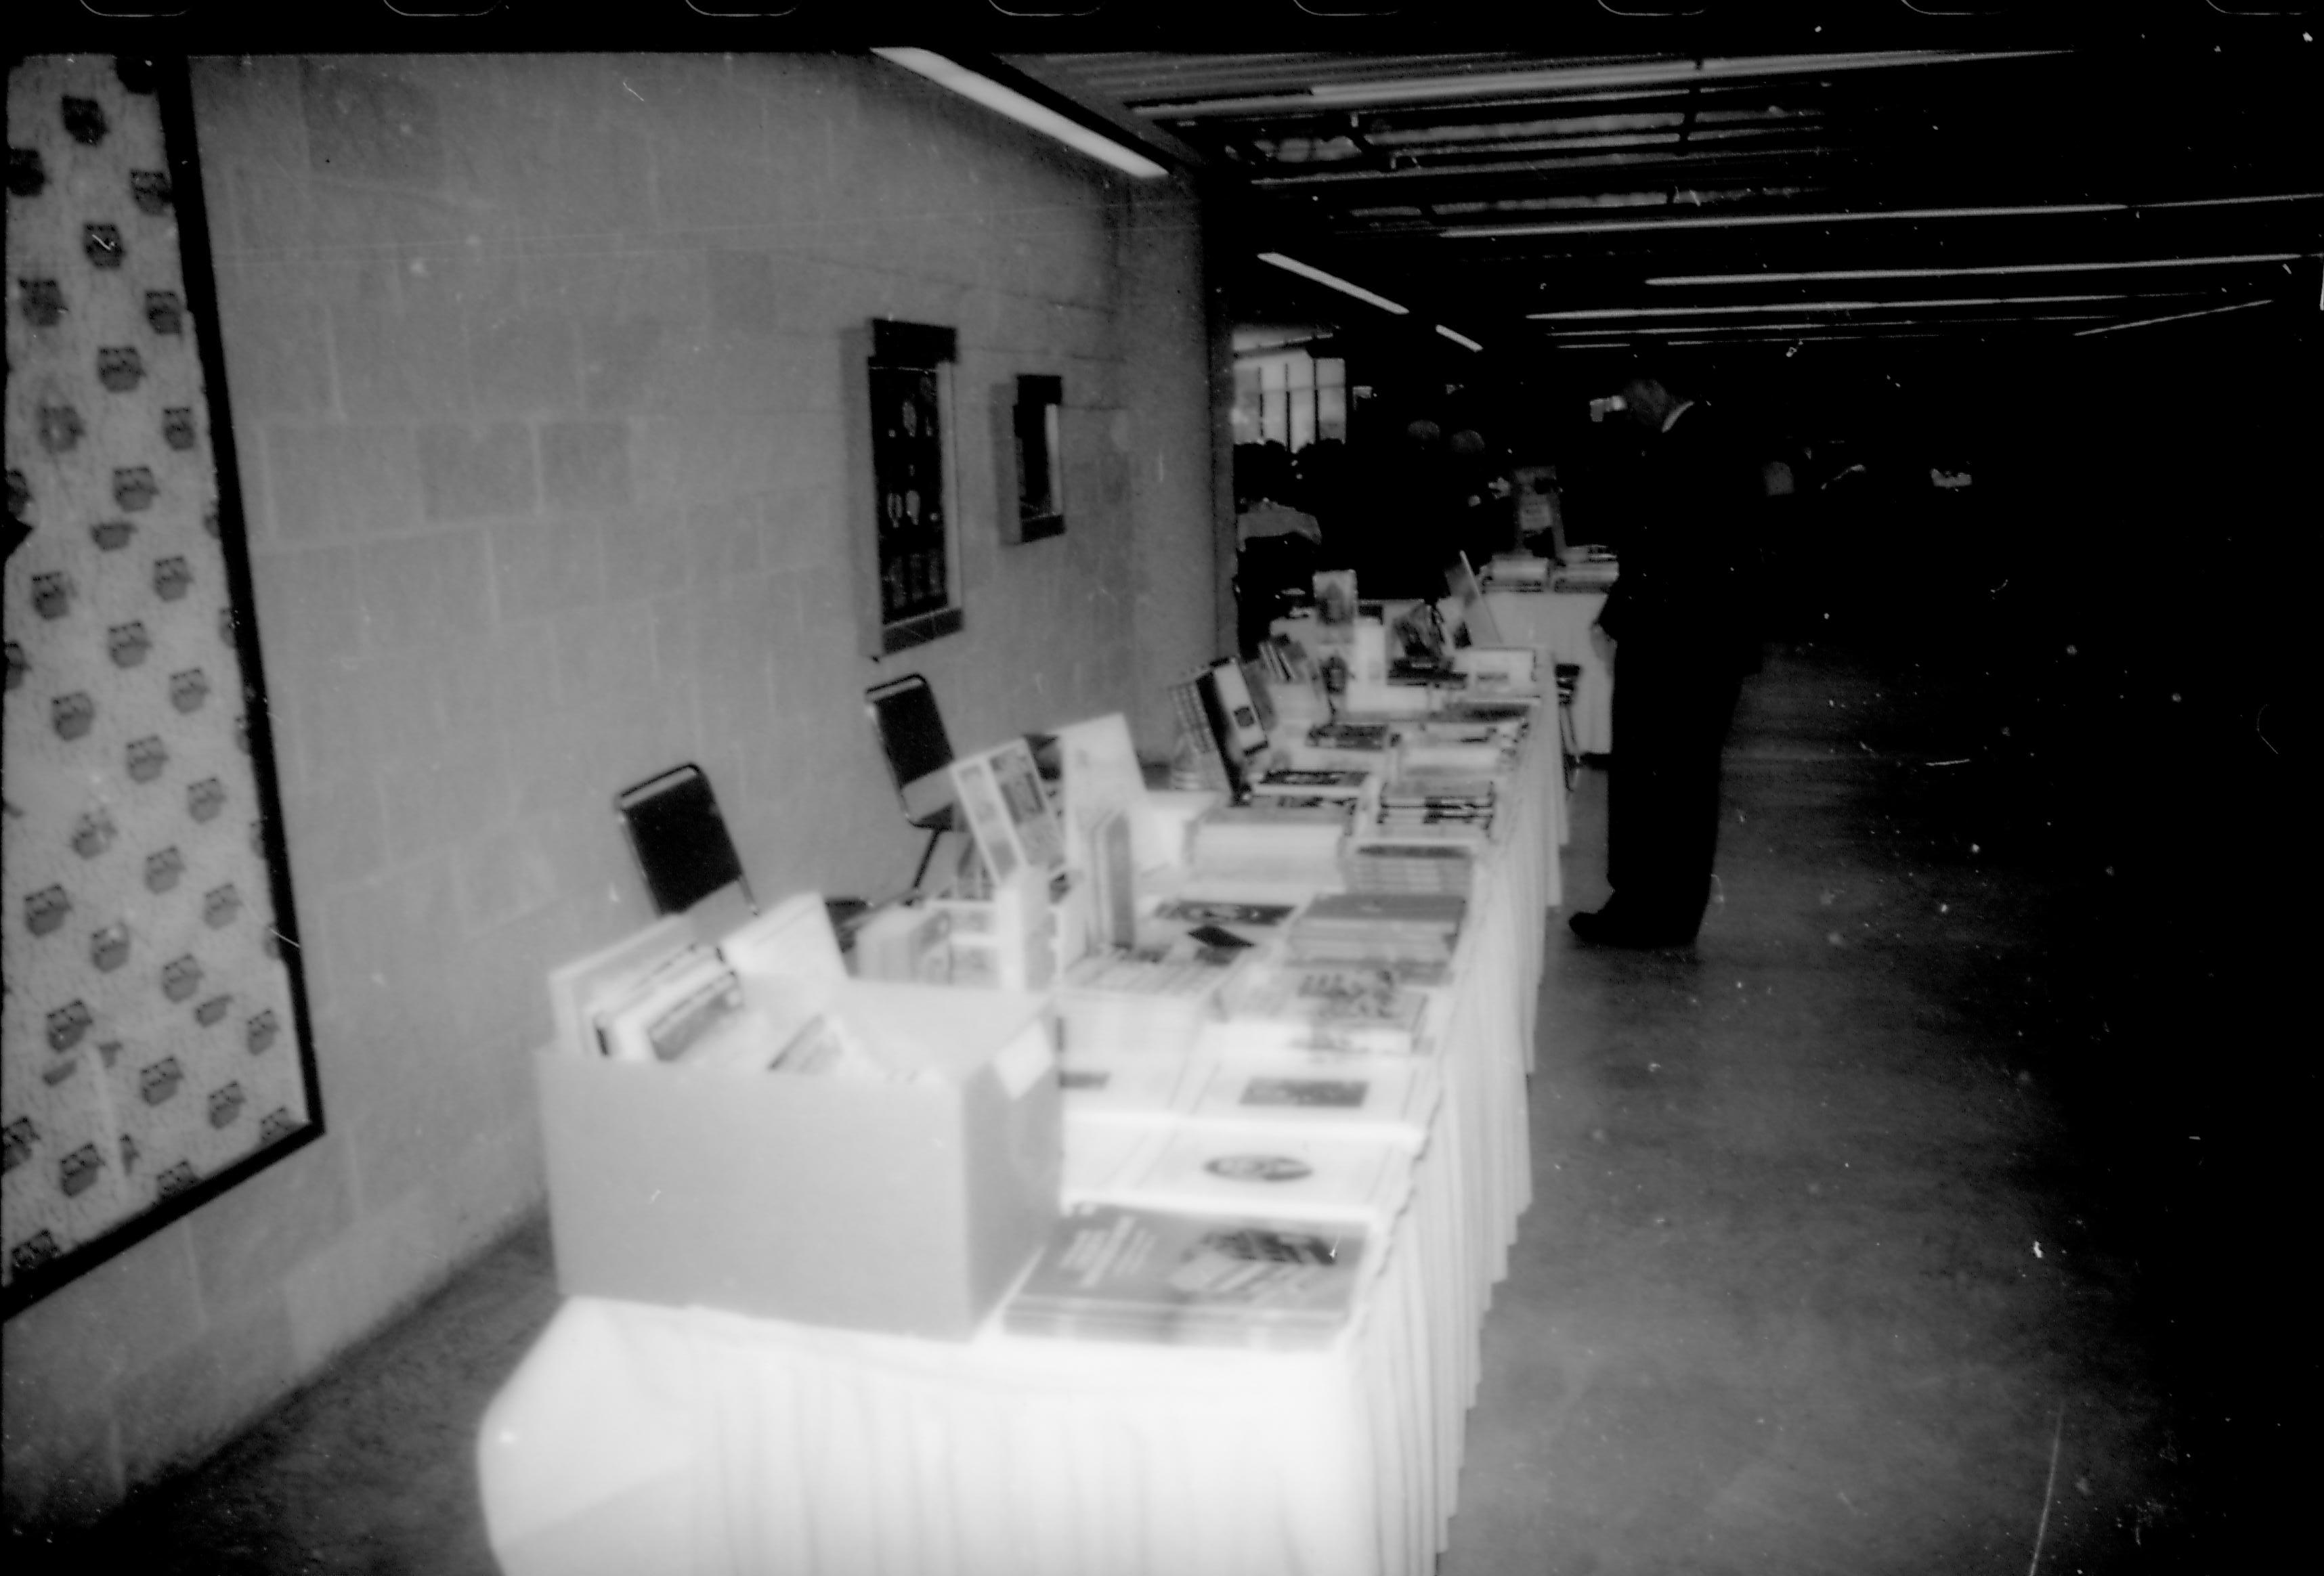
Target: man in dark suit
1681 619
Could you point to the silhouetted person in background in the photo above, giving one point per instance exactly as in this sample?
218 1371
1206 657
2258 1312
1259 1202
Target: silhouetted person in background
1681 619
1277 543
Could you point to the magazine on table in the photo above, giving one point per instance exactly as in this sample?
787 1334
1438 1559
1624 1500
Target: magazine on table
1113 1272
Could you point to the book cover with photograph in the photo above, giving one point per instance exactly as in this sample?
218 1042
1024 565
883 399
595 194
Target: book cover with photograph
1334 1093
1115 1273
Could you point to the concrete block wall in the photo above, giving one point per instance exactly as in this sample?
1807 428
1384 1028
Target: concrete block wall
535 372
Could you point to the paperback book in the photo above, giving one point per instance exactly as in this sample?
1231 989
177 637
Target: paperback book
1337 1007
1340 1095
1118 1272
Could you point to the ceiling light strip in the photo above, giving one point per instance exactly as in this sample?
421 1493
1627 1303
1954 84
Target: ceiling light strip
1308 271
1741 221
2221 202
1461 340
2237 260
1602 313
1488 85
1008 101
1747 330
2174 317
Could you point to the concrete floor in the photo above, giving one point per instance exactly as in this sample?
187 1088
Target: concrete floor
1866 1237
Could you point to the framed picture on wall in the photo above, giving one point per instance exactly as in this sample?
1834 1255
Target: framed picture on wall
908 545
1030 415
157 1048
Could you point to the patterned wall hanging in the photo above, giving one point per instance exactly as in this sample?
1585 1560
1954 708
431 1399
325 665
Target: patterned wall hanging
156 1044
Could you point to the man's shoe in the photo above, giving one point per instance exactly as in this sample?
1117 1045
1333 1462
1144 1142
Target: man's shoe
1609 929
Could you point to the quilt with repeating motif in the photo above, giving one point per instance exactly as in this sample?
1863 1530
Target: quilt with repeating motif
151 1042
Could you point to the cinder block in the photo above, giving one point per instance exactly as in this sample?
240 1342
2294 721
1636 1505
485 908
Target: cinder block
523 364
426 591
604 658
382 1265
585 465
309 605
645 551
277 350
436 799
723 543
368 124
340 480
593 181
271 203
482 280
474 471
336 826
544 565
76 1346
505 872
395 365
245 1241
742 294
617 361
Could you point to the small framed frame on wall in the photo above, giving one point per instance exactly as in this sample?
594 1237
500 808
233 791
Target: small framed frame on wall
1032 457
907 539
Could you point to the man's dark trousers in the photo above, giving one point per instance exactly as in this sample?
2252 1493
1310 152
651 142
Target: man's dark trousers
1671 716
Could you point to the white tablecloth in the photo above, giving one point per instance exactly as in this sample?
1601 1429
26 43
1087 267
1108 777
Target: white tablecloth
688 1443
1558 621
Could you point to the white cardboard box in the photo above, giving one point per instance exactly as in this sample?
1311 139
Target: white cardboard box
905 1205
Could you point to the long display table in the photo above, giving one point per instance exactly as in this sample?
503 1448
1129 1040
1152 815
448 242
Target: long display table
688 1441
1558 622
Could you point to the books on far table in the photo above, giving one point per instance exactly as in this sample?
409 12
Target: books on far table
1385 866
1114 1272
1419 927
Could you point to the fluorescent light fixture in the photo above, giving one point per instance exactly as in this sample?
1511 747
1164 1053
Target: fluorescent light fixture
1485 85
1741 221
2222 202
1744 221
1308 271
2174 317
1458 339
1008 101
1604 313
2246 257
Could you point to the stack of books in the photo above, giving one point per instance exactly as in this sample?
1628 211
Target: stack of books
1586 568
1341 734
1378 929
1300 784
1325 1006
1283 837
1421 803
1340 744
1512 712
1121 1272
1140 1000
1440 866
1455 747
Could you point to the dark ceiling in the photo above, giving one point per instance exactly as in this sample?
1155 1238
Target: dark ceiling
1528 200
